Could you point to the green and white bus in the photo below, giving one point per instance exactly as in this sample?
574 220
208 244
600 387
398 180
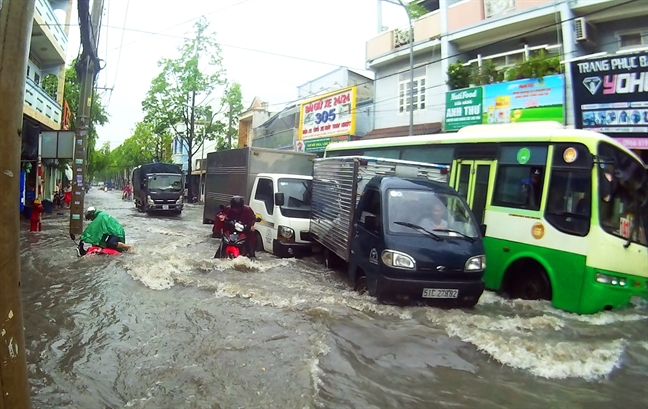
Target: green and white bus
565 210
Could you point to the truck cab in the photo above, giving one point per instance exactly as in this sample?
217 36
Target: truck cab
283 202
416 239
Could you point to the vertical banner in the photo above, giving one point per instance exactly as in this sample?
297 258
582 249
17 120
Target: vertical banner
463 108
611 97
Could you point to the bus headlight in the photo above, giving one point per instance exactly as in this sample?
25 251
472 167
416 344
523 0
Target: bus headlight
149 200
608 279
285 232
397 259
179 201
475 264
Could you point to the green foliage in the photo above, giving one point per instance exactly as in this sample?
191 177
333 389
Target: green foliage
415 10
50 85
537 66
486 74
98 115
177 94
101 160
459 76
232 101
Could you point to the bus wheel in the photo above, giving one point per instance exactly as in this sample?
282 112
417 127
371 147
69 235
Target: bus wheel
528 281
361 283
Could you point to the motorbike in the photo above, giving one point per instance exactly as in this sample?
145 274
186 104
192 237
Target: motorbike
92 250
234 239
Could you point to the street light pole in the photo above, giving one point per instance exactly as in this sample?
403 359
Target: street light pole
411 69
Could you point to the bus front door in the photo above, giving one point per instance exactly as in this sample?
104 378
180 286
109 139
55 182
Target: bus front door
471 179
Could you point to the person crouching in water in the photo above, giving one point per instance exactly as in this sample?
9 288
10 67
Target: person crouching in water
104 231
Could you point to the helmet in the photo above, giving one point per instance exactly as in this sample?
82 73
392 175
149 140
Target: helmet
237 203
90 213
37 201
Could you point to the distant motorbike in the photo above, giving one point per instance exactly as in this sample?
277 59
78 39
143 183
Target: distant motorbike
92 250
234 237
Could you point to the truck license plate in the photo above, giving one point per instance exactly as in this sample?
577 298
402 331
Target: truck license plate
439 293
165 207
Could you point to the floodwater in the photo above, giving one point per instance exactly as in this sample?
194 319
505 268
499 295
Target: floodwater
168 326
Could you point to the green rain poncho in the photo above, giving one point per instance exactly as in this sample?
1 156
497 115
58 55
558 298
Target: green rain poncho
102 226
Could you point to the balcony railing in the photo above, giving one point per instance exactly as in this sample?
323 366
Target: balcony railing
37 99
510 58
44 10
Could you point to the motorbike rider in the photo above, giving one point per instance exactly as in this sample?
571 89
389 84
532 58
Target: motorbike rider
104 231
238 210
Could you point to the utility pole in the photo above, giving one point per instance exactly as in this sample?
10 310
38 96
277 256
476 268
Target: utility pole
16 18
87 68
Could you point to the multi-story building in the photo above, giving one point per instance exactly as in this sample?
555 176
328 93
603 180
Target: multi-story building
503 32
45 80
354 117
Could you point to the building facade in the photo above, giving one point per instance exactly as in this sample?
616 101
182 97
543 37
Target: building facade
500 34
44 84
349 114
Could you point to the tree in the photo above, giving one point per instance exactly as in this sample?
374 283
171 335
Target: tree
233 101
178 93
98 115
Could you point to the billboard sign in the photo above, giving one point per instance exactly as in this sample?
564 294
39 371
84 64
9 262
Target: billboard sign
328 115
463 108
525 100
611 96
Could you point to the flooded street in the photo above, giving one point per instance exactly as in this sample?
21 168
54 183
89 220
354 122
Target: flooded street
168 326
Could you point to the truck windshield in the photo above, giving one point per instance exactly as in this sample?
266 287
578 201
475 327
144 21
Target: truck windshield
171 183
297 197
444 215
623 193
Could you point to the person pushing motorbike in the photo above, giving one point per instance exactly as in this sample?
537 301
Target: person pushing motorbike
104 231
238 210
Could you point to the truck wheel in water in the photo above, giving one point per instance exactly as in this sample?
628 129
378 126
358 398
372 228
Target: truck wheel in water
361 284
528 280
331 260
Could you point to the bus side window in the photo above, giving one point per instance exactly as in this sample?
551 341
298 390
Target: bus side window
519 186
569 204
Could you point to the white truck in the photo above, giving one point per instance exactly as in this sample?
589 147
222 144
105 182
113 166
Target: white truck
276 184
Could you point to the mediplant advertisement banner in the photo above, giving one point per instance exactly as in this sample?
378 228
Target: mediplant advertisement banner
514 101
611 97
327 116
525 100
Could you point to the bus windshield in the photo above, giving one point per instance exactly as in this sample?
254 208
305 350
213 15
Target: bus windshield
442 214
165 182
297 197
623 200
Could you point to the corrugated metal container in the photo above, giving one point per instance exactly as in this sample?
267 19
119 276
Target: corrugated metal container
338 183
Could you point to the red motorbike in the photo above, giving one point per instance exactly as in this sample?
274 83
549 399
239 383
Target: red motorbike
234 238
93 250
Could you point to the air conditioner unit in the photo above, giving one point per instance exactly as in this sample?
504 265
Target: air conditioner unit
584 32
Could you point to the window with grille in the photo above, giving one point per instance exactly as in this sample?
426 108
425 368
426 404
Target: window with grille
417 98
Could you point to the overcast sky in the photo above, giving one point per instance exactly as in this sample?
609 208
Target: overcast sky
258 40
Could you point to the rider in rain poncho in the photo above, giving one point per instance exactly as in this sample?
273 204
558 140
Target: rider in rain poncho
104 231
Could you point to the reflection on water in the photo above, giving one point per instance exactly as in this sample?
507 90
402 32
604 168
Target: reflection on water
168 326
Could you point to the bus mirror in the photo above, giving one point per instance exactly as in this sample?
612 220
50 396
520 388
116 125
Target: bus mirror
482 229
279 199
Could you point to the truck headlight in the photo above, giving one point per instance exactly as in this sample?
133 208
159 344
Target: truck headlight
149 200
475 264
397 259
285 232
179 201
